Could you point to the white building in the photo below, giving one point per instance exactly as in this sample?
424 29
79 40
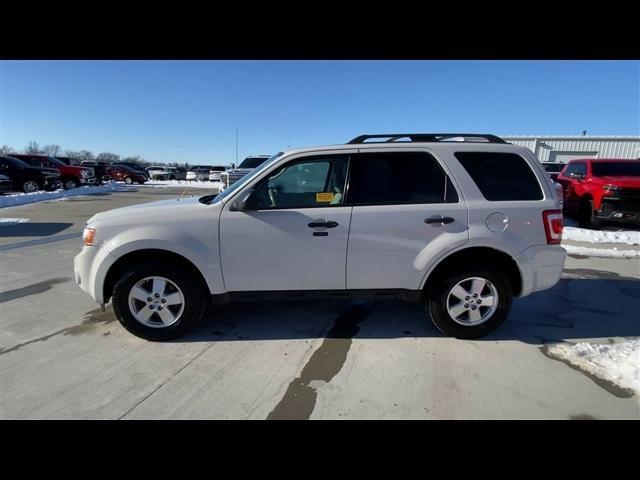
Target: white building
565 148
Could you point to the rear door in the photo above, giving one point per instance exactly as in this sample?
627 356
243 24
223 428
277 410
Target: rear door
405 210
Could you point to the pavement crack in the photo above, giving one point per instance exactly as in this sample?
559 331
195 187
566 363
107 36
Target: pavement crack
166 380
325 363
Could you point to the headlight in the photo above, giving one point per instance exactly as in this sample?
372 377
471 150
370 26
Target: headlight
612 190
88 235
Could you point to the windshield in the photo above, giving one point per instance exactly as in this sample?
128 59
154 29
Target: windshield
55 161
218 169
253 162
616 169
225 193
553 167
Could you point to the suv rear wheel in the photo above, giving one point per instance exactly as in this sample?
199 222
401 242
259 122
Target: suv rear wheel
158 302
469 303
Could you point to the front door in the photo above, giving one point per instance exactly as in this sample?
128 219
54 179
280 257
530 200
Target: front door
296 237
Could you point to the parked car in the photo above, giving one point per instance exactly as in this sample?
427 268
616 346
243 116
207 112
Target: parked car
29 179
71 176
6 185
199 172
602 189
249 164
133 166
553 169
216 172
461 226
167 173
101 170
120 173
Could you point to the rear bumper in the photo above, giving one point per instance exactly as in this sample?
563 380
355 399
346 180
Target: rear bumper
540 267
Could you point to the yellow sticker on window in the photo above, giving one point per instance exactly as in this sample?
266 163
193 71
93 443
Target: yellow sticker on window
324 197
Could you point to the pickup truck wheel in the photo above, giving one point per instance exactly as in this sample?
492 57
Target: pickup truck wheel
469 304
158 302
588 218
69 183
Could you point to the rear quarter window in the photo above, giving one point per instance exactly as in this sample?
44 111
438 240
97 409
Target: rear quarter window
501 176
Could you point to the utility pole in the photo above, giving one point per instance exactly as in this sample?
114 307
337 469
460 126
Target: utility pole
236 145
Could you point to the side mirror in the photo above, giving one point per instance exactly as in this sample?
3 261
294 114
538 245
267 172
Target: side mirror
246 202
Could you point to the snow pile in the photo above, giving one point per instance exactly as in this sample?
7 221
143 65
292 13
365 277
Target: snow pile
601 252
626 237
7 222
617 362
185 184
16 199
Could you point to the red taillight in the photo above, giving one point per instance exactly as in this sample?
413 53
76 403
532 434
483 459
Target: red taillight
552 220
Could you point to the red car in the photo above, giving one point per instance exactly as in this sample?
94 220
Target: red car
120 173
70 175
602 189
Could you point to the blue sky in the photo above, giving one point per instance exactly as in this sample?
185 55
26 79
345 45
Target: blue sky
188 111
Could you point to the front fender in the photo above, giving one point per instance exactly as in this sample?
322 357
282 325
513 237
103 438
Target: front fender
199 245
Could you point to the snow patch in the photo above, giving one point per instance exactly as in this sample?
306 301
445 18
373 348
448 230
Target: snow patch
185 184
6 222
618 362
601 252
627 237
16 199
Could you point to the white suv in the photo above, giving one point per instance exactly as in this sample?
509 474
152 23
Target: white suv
463 226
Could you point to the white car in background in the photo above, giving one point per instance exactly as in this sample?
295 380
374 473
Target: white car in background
199 173
215 173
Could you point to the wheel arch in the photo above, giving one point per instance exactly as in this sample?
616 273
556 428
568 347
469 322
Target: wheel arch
489 256
126 261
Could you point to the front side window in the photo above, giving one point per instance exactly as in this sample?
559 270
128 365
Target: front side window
398 178
501 176
309 183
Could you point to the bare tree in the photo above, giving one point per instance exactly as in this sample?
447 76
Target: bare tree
107 157
6 150
85 155
32 148
52 150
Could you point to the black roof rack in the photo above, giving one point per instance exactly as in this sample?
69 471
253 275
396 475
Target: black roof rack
426 137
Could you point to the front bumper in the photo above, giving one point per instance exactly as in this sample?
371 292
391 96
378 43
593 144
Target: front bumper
616 210
540 267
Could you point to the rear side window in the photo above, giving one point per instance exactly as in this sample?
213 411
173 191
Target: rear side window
398 178
501 176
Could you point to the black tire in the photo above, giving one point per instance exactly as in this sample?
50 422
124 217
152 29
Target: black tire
588 218
27 185
437 297
194 296
69 183
172 177
128 180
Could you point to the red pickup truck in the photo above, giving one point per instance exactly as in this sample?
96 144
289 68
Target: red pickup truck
70 175
602 189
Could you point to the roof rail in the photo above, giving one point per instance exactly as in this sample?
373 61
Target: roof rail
427 137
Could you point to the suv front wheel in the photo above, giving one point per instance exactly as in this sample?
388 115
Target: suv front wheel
157 302
469 304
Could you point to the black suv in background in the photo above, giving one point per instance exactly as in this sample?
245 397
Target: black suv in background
29 179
